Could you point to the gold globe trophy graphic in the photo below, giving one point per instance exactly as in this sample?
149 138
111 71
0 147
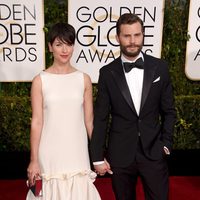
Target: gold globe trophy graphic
96 48
6 43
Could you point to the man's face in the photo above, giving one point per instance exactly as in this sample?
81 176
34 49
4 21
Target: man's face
130 39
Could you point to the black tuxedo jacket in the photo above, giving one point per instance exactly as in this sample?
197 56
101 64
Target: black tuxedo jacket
154 124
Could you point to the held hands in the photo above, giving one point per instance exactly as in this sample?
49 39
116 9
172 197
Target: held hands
101 169
33 172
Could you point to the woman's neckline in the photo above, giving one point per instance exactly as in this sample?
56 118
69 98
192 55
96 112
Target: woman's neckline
60 74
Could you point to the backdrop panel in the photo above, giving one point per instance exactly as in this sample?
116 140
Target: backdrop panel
192 64
22 48
95 23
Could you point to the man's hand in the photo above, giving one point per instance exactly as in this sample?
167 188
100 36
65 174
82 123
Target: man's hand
101 169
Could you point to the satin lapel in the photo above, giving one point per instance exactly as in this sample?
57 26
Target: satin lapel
149 71
119 76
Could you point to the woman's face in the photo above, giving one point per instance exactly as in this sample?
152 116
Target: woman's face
62 51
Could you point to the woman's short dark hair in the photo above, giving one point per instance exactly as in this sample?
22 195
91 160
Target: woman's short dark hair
63 31
128 18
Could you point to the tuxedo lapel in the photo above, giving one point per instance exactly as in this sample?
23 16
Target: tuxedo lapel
118 74
149 71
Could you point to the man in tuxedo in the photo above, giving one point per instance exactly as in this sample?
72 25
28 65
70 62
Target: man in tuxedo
135 95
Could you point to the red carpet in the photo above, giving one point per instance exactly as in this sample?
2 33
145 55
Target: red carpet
181 188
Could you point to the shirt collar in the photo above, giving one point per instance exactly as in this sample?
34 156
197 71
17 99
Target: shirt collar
126 60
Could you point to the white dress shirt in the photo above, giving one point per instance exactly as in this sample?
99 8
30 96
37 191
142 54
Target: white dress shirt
134 80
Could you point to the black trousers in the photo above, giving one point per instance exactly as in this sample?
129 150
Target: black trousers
154 176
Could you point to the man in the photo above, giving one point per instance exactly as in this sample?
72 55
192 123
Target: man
140 103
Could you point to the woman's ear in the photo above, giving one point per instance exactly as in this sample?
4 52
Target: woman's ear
50 47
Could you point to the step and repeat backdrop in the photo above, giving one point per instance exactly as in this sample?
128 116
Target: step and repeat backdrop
192 63
22 44
95 24
22 53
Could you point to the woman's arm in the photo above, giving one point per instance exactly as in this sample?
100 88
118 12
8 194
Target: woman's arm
88 105
36 128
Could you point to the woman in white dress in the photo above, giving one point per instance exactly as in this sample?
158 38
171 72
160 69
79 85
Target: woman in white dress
62 121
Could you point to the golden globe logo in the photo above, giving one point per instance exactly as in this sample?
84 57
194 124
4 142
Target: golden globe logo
22 52
95 23
97 30
15 35
192 63
96 34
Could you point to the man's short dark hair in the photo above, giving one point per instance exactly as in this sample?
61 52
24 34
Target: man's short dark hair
128 18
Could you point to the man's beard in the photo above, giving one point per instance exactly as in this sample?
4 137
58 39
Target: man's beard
129 53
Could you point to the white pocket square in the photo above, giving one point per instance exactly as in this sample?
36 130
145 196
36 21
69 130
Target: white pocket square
156 80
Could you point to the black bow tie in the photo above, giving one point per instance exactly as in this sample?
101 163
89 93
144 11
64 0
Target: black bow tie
137 64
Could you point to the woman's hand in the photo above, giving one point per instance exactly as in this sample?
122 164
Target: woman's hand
33 172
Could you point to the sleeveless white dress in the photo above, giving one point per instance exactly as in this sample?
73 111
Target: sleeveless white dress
63 149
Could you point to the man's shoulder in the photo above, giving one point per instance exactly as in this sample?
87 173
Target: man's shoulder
111 65
153 59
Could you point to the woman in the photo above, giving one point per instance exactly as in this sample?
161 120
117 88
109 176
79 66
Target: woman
62 116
